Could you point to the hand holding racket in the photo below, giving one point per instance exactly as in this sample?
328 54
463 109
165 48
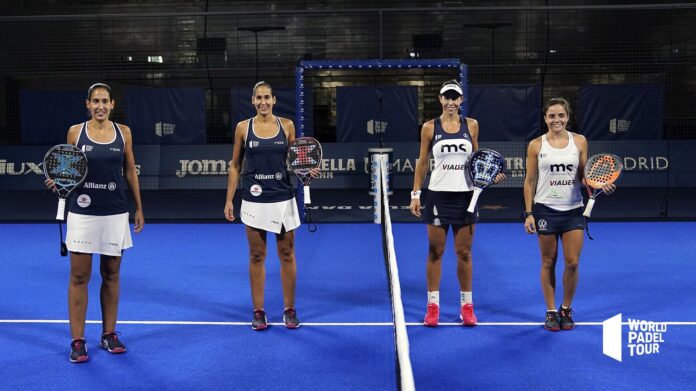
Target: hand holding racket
65 167
601 170
483 167
304 159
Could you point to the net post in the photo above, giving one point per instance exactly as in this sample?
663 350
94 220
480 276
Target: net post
299 129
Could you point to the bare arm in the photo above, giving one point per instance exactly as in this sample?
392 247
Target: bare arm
235 169
473 126
131 174
530 182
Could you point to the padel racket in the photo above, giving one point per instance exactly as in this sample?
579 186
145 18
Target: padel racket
600 170
66 166
304 154
482 167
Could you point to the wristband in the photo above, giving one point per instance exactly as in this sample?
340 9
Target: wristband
415 195
527 214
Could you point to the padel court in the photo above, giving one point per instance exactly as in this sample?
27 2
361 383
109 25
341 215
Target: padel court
185 312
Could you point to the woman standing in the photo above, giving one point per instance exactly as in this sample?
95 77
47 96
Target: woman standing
98 218
268 201
553 206
450 138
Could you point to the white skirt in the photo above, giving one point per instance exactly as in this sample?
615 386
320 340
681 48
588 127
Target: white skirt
108 235
271 216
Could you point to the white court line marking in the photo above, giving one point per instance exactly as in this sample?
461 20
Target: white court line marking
321 324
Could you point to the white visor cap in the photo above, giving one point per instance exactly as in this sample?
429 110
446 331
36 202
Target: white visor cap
451 87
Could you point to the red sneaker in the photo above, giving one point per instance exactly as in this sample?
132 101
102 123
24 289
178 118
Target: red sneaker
432 316
467 315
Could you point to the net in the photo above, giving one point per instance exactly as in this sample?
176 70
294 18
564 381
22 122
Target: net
404 371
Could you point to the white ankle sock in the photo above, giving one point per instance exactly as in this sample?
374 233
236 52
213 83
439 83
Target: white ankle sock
434 297
466 297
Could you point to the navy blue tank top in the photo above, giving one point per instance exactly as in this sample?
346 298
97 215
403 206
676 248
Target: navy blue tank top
103 192
265 176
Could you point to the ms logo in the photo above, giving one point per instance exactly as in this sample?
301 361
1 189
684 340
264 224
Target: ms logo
449 148
561 167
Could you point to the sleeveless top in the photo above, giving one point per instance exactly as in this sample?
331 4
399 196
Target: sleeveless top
450 151
558 186
265 176
103 192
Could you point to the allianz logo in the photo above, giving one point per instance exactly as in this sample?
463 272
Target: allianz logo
202 167
23 168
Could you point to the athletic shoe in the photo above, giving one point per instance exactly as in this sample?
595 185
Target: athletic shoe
552 322
467 315
78 351
290 318
432 315
112 344
260 322
566 320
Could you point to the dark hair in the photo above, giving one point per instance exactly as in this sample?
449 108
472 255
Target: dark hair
98 85
261 84
557 101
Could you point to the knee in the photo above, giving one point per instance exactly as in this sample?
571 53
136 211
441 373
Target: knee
435 254
548 262
464 256
79 278
256 257
110 275
571 265
286 255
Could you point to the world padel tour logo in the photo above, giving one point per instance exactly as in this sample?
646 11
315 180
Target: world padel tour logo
644 337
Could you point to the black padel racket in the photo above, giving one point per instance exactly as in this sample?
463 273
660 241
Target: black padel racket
482 167
66 166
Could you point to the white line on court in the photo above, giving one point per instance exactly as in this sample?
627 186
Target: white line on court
319 324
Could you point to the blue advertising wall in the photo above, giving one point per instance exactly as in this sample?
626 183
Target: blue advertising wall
622 111
358 114
166 115
48 114
506 112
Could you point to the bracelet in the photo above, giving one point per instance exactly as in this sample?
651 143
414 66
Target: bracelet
415 195
527 214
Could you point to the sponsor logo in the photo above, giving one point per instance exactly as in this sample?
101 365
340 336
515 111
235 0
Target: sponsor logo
619 125
454 166
202 167
87 148
112 149
542 224
561 167
24 168
100 186
376 126
260 177
164 129
452 148
83 200
644 337
255 190
438 136
563 183
253 144
280 142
